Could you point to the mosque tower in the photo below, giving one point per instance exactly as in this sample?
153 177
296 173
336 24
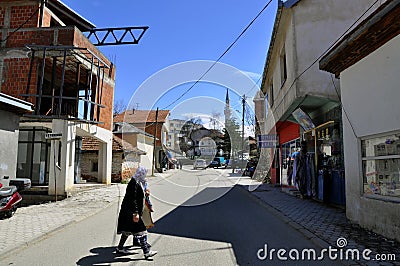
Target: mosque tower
227 111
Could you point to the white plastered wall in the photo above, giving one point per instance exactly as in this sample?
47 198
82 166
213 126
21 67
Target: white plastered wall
61 174
370 97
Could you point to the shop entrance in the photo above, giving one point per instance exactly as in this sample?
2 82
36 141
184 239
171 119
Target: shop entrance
287 149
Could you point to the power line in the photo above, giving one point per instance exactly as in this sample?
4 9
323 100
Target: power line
344 110
23 24
333 44
250 118
222 55
255 84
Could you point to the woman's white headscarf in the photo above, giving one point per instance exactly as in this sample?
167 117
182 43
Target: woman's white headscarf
140 175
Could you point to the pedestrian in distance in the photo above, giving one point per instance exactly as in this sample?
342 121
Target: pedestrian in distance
130 216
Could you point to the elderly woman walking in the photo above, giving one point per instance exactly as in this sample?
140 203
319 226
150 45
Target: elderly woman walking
130 216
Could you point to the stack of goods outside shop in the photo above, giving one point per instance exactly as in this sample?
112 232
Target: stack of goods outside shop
316 168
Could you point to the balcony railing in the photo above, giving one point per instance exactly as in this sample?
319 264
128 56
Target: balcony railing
69 83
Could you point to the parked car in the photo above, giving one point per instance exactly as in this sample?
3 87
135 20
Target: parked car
200 163
214 164
221 160
217 162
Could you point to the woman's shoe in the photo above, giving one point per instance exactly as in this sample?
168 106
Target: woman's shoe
150 254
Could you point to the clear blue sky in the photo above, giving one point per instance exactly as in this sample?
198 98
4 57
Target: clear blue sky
181 31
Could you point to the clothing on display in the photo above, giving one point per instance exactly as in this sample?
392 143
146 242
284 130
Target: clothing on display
304 171
304 174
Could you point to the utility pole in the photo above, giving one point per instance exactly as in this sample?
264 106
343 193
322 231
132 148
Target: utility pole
154 145
244 106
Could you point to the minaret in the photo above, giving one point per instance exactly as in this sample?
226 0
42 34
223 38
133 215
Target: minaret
227 111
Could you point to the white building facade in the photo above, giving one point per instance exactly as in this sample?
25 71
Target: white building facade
367 61
292 82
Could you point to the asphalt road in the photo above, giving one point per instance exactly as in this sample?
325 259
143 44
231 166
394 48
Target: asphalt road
202 218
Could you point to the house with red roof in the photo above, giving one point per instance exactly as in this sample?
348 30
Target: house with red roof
153 122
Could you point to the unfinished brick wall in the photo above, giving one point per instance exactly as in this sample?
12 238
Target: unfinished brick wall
2 15
15 69
15 14
19 14
107 112
15 78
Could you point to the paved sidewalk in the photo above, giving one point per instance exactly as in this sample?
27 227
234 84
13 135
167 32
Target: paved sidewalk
324 225
32 223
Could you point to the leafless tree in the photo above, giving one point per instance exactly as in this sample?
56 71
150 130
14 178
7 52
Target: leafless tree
215 120
119 107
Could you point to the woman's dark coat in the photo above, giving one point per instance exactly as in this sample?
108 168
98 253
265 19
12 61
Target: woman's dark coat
132 203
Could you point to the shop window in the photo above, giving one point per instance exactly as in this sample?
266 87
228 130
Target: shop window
381 165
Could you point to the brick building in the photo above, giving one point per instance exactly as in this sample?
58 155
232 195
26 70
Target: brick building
46 60
138 139
153 124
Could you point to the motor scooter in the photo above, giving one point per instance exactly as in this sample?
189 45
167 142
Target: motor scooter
10 197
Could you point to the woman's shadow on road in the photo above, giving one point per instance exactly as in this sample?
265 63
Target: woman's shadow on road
107 255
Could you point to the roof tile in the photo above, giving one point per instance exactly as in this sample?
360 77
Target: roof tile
142 116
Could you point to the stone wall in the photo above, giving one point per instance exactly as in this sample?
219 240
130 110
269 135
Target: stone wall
122 168
87 161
